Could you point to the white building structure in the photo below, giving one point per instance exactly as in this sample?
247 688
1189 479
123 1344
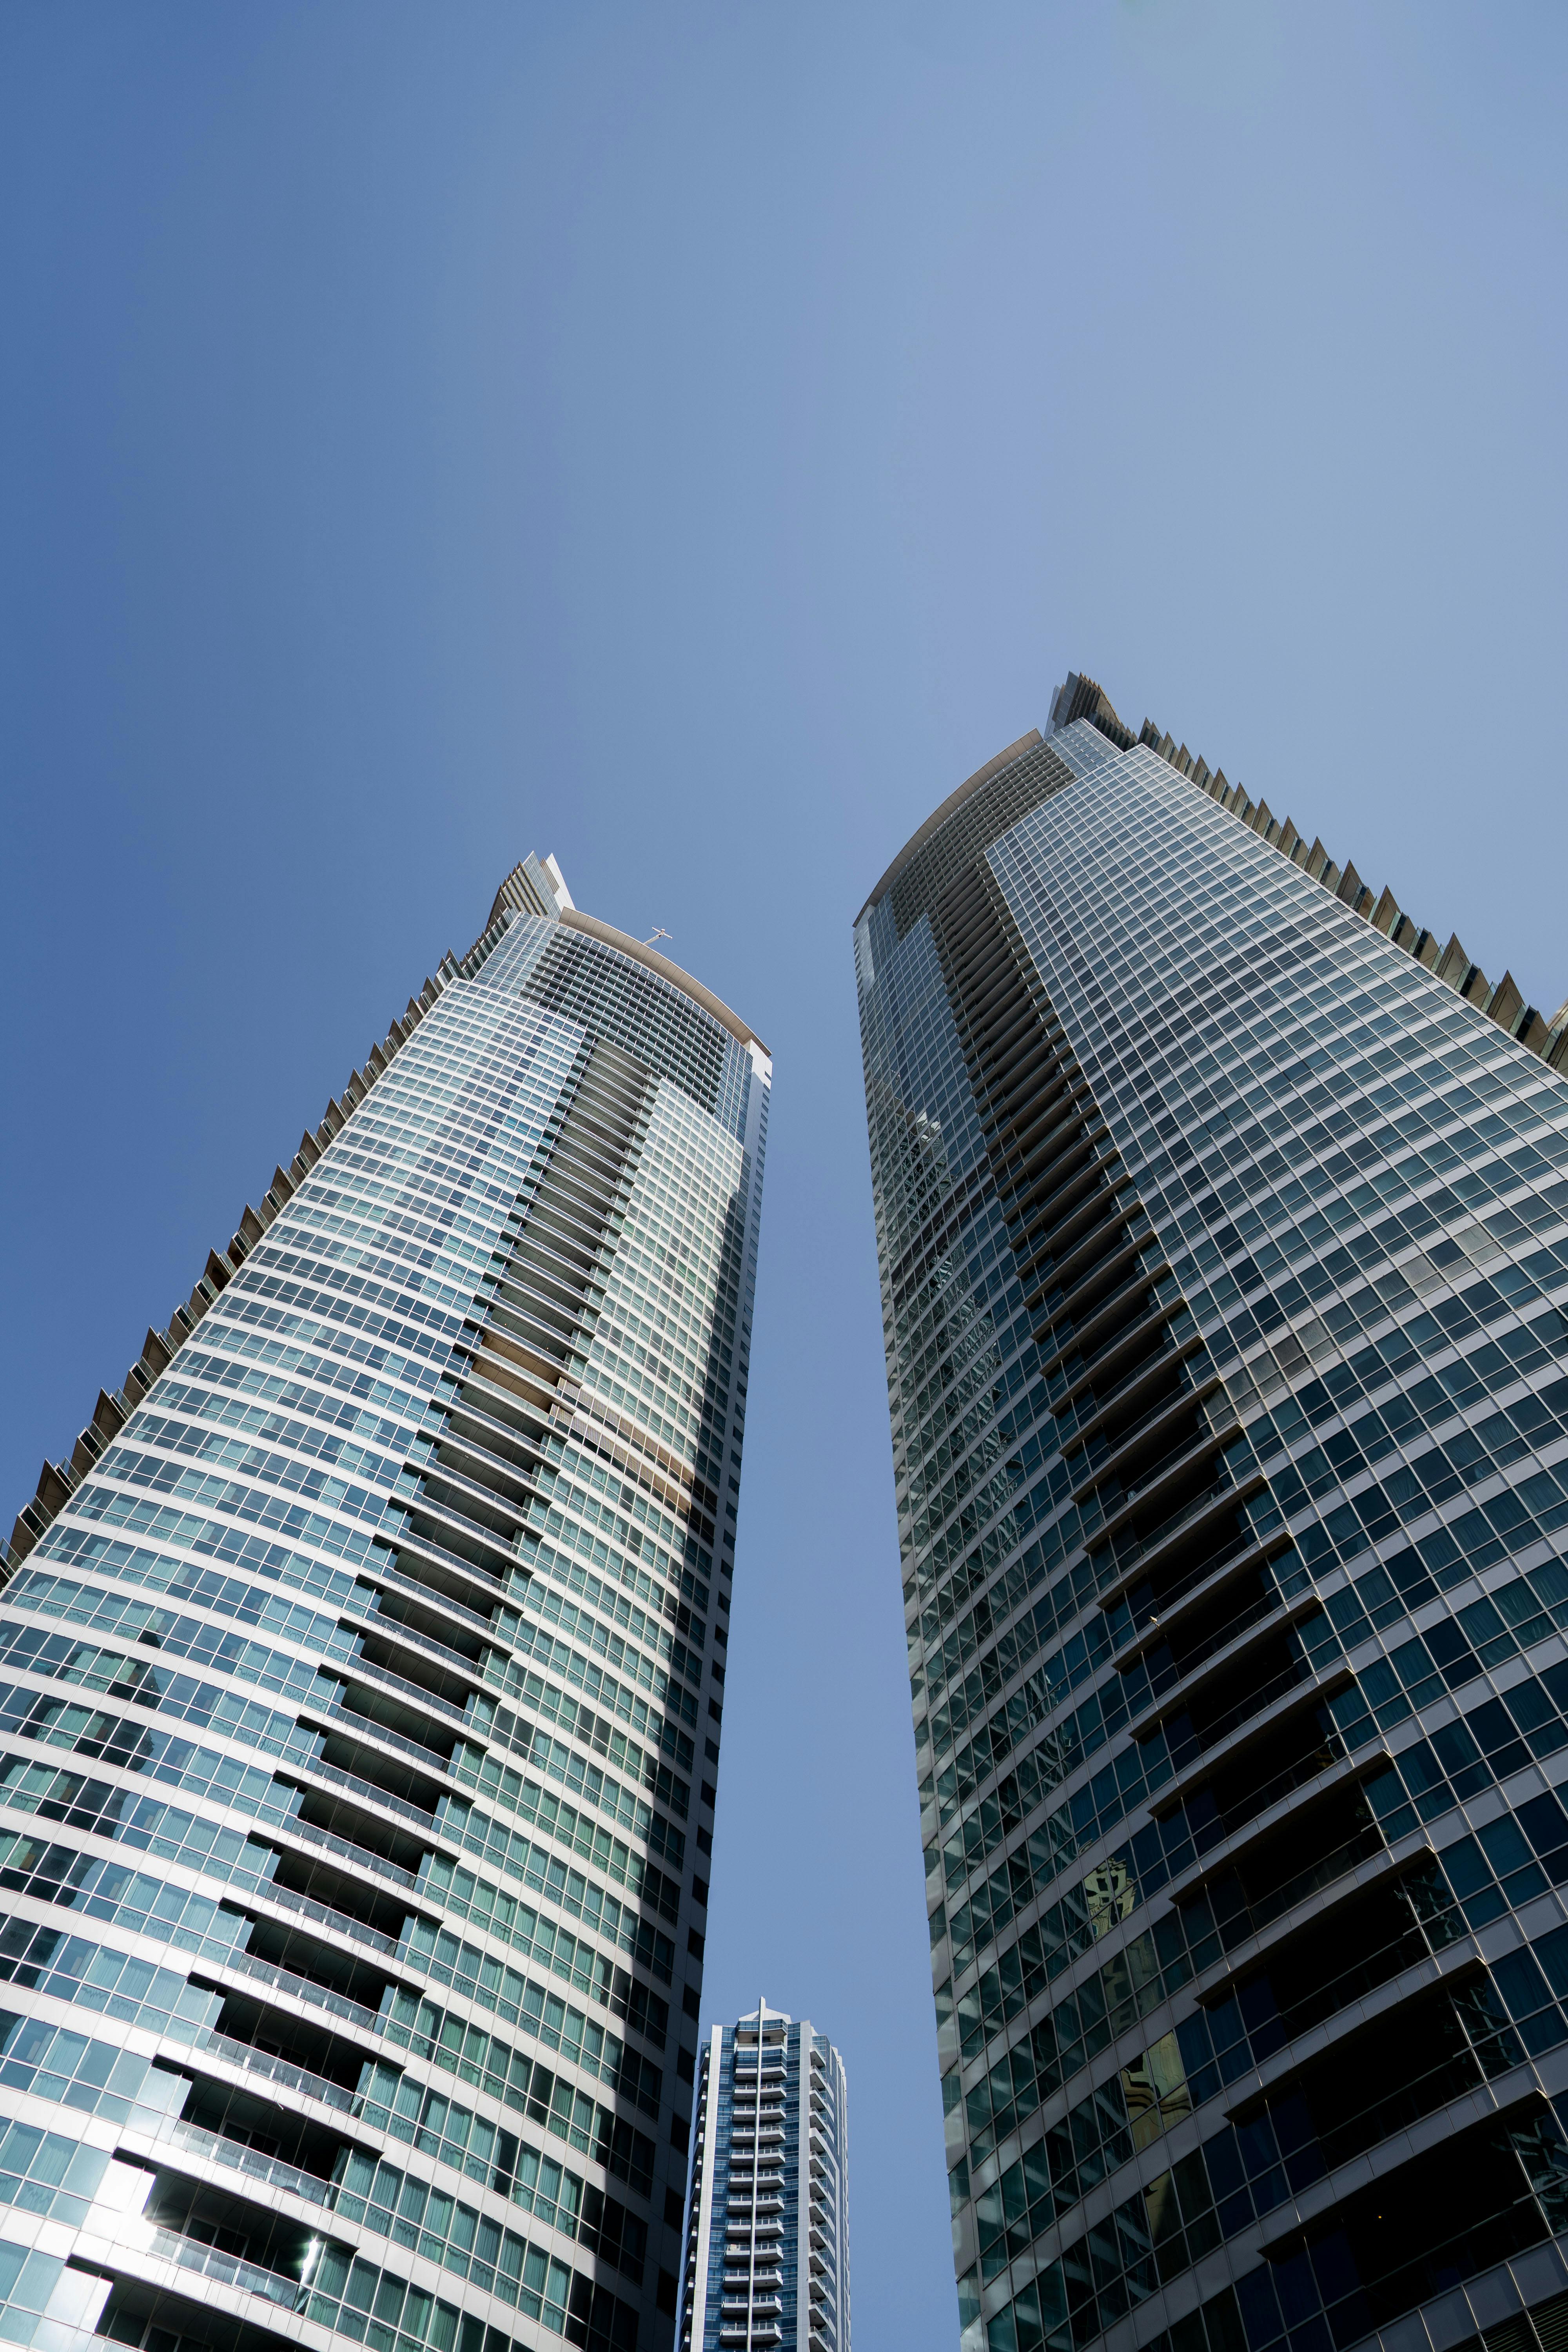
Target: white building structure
767 2233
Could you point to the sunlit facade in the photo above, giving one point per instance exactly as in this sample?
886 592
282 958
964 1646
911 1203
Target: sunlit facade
1223 1227
362 1693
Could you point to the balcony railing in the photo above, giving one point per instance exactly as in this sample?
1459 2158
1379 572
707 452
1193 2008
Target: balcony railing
1030 1230
430 1759
1186 1387
281 2071
372 1790
1061 1336
305 1988
399 1535
1124 1556
1169 1678
341 1922
360 1856
1086 1279
229 2270
1172 1345
431 1599
359 1668
1190 1445
394 1628
472 1489
1130 1329
234 2155
1189 1749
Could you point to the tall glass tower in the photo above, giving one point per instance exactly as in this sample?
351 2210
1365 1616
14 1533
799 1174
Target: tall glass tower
1223 1228
362 1684
767 2230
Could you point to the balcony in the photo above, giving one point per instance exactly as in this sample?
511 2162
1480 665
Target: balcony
464 1407
1057 1340
359 1855
1283 1601
276 2069
303 1989
430 1760
1214 1430
1090 1407
1118 1562
229 2270
371 1790
418 1522
419 1695
1071 1228
1159 1479
1165 1309
285 1899
236 2157
1034 1229
385 1573
1092 1245
469 1502
1191 1390
1081 1287
399 1632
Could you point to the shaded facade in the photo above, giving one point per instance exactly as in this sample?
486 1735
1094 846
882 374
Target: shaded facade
361 1692
767 2228
1223 1230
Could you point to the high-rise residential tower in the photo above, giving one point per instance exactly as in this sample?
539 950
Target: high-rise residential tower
1223 1228
767 2226
361 1689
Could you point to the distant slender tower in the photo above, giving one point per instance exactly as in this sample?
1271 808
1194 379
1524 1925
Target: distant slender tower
767 2231
364 1681
1222 1215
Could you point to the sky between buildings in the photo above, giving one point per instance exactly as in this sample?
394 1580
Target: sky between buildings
692 439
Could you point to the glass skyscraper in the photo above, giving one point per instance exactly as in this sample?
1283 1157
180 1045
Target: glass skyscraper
767 2230
362 1677
1223 1229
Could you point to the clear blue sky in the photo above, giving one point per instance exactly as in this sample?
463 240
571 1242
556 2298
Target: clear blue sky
690 439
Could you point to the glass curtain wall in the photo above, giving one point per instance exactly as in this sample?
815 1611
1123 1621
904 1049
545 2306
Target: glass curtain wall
362 1686
1224 1250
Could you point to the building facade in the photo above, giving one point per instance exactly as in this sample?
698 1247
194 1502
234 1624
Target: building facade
362 1687
1223 1230
767 2226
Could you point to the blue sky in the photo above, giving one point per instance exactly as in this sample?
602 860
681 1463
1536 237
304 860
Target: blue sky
692 439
